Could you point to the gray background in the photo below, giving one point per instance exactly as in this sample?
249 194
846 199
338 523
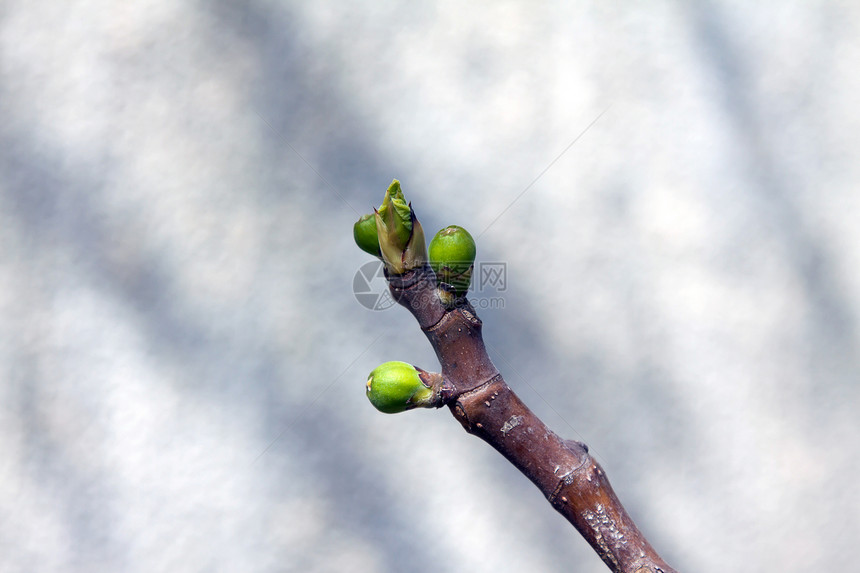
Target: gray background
182 359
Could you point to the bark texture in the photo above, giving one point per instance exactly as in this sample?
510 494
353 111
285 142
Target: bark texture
477 395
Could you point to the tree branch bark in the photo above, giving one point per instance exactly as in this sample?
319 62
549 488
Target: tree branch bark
477 395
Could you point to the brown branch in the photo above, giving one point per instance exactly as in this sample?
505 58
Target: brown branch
572 481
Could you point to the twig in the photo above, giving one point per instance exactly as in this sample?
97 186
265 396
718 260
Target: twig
477 395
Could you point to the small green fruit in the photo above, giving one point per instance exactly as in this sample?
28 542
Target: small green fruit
395 387
366 237
452 256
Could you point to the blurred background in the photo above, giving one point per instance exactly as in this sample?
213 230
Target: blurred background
671 189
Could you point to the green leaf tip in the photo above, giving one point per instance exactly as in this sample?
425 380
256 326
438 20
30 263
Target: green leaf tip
452 256
401 238
395 387
366 236
396 213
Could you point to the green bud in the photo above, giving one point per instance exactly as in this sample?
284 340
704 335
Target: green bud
397 386
401 238
366 237
396 214
452 256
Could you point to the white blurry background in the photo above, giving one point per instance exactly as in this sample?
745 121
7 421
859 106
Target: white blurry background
182 359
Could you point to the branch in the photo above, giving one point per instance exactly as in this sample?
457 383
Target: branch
571 479
474 390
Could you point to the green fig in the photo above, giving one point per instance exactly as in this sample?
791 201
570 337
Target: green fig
366 236
395 387
452 256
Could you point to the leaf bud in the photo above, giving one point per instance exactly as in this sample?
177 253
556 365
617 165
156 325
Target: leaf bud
401 238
